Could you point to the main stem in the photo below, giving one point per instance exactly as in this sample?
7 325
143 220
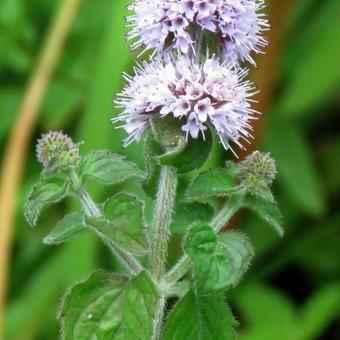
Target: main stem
162 219
161 233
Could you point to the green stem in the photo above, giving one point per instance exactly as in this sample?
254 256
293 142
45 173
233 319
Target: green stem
91 210
162 219
217 223
161 233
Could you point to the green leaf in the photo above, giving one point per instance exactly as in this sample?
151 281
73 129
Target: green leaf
200 318
66 229
188 214
266 208
218 261
107 306
108 168
167 132
191 156
184 155
47 191
123 223
298 173
213 183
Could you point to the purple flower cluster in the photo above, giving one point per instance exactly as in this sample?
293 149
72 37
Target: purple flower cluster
183 81
197 94
164 25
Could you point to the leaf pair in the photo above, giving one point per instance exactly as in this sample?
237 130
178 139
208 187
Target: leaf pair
225 183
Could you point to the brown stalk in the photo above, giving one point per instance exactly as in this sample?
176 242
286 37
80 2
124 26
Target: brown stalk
265 74
19 140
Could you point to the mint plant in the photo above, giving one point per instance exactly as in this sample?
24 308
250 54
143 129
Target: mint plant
192 89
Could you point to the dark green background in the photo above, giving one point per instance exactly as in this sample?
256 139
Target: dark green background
292 291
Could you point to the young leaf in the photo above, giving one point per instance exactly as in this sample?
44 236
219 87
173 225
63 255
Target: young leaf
214 182
218 261
123 223
192 156
266 208
66 229
184 155
48 190
108 306
108 168
200 318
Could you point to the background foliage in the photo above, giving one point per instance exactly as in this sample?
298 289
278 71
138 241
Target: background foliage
292 291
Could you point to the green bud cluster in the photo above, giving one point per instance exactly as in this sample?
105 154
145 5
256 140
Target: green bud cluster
258 169
55 150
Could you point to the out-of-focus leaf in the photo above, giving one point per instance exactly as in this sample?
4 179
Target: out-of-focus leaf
298 175
313 73
200 318
107 306
108 168
48 190
268 314
318 312
67 228
218 261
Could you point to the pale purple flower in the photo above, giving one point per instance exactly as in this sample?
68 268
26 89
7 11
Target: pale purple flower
164 25
197 95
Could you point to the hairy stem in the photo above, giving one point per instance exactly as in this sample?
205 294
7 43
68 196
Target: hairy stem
91 210
217 223
158 320
160 228
162 219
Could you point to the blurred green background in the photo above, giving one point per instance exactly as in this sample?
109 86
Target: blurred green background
292 291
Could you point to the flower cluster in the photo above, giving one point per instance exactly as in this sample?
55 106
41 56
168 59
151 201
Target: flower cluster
55 150
163 25
196 94
258 167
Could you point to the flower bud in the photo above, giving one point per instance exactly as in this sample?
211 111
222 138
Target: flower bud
56 150
257 169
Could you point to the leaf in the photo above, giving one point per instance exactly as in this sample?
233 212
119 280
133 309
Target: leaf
108 306
108 168
200 318
123 223
218 261
266 208
312 77
66 229
213 183
47 191
191 156
188 214
167 132
297 172
184 155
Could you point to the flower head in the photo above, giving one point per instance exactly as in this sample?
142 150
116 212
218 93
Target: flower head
197 95
163 25
55 150
258 167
